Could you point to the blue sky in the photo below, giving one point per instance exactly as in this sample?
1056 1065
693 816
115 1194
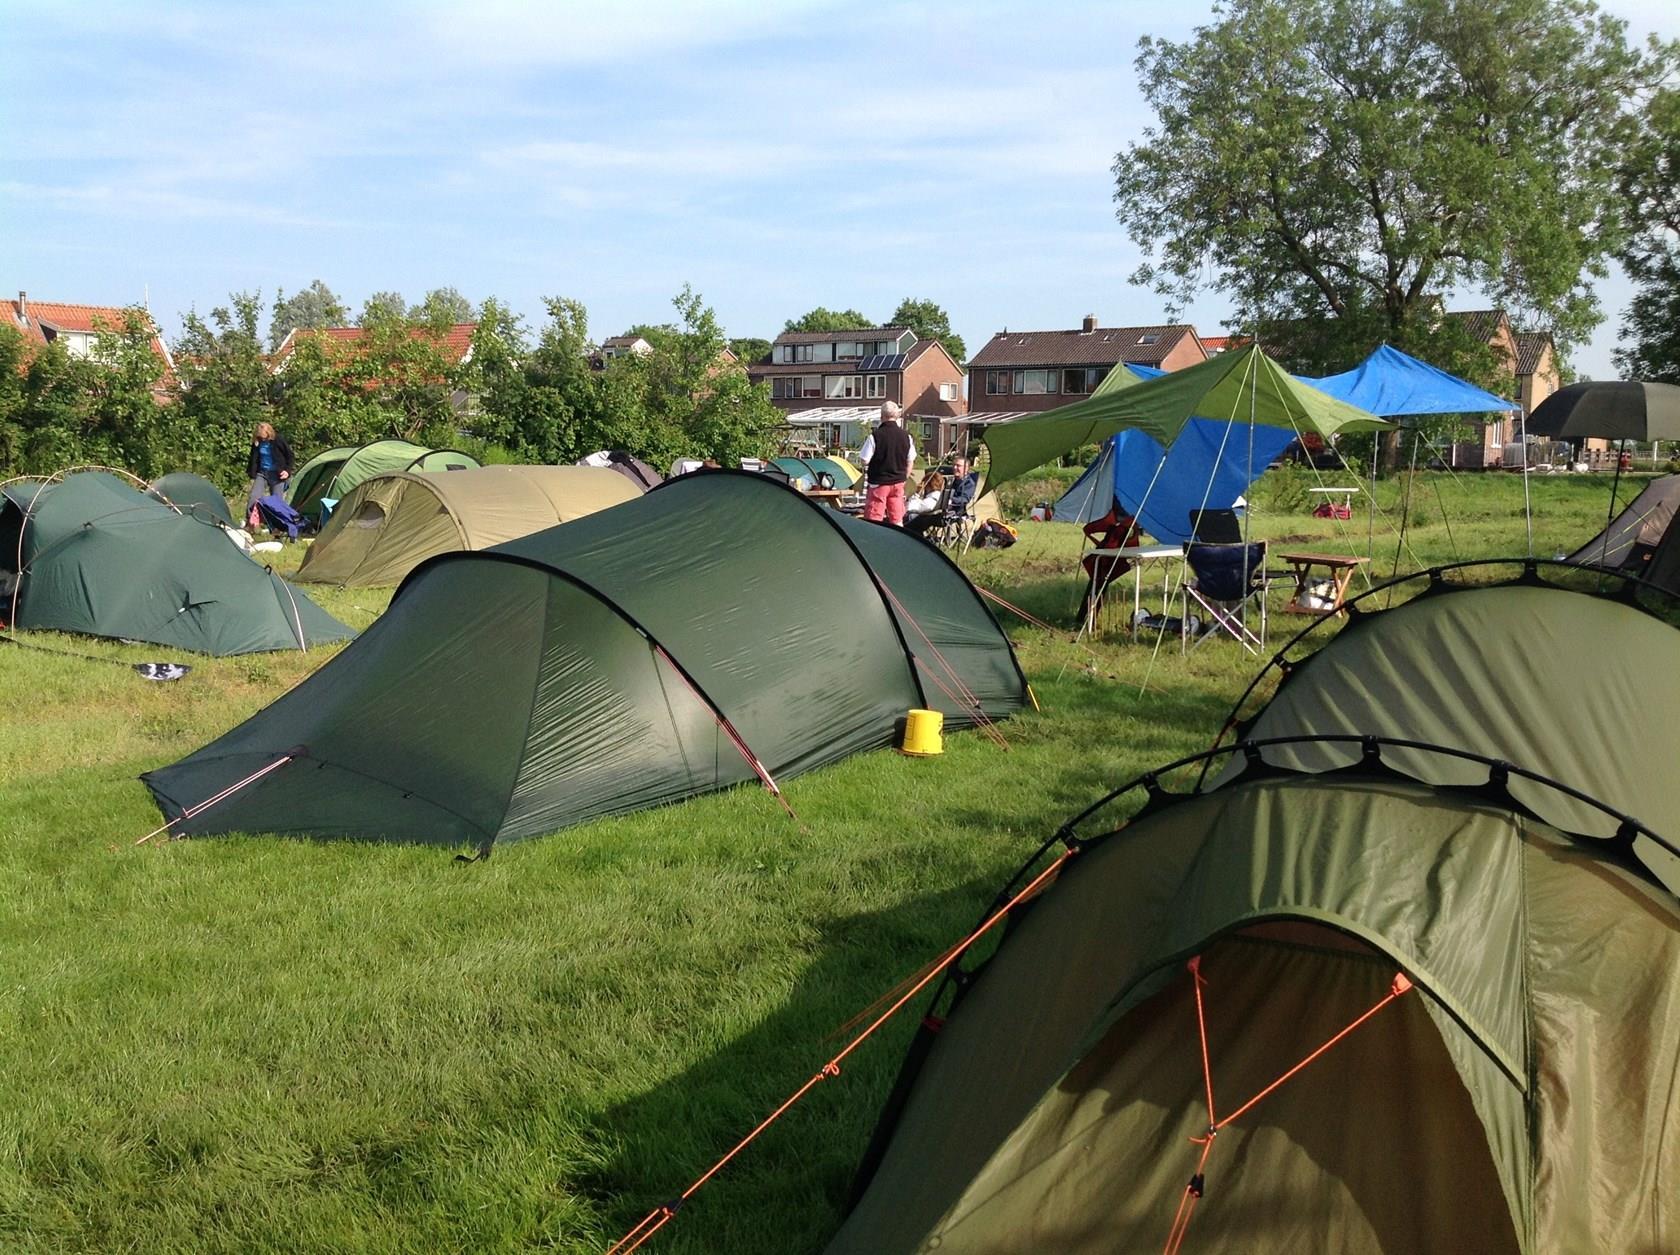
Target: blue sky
776 157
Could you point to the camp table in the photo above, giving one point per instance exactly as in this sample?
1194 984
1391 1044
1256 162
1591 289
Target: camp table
1139 556
826 496
1338 568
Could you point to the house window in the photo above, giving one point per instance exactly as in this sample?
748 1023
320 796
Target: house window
1034 383
947 392
844 387
1073 382
810 386
875 386
1150 338
845 350
997 383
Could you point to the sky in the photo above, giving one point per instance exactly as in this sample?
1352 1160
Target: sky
775 157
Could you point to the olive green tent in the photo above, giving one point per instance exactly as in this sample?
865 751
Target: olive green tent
92 554
393 522
719 628
193 494
334 474
1240 385
1513 1089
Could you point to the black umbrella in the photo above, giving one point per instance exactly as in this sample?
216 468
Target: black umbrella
1613 409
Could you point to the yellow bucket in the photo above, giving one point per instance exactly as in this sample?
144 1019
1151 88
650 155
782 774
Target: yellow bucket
921 733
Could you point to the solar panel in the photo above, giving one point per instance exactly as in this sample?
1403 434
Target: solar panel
883 361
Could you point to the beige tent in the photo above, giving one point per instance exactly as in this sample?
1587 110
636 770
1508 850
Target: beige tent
392 523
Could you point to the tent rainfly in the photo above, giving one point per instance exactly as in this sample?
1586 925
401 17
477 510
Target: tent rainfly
804 471
334 474
627 464
393 522
1238 386
1482 999
95 555
1634 535
192 494
635 657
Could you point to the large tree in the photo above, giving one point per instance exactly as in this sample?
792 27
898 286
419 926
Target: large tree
1650 184
1341 163
824 319
443 307
382 307
930 322
315 306
227 388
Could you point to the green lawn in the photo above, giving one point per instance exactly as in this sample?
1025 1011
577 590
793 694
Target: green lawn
259 1044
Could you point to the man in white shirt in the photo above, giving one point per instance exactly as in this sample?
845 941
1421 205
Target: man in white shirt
887 456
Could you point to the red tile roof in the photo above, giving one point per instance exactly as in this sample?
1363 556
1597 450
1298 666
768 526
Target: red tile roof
1102 347
36 318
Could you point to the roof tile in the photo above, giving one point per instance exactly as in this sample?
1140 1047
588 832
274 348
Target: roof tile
1103 347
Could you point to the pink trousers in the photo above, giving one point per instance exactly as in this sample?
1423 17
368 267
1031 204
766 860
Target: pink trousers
884 501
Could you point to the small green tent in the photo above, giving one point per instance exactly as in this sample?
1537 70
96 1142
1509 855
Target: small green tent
334 474
393 522
663 648
1514 1092
192 494
92 554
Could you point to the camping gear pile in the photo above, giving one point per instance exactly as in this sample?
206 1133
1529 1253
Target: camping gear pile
392 522
1410 930
637 662
90 553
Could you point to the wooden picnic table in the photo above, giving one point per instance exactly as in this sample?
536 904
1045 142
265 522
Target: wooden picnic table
1338 568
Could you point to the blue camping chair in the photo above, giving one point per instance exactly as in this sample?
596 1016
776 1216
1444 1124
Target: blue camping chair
1225 580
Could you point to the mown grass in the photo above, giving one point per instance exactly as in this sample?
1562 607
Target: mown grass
255 1044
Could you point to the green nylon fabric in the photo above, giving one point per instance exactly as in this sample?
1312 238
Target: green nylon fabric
104 559
337 472
792 642
1477 669
193 494
1231 387
1054 1107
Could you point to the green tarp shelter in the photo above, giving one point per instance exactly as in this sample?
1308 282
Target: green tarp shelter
101 557
192 494
393 522
1520 1096
631 658
334 474
1235 386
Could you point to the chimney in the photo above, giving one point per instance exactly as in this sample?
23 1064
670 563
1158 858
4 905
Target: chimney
1089 325
23 305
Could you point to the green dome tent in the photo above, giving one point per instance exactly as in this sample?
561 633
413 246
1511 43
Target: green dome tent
334 474
1472 958
92 554
657 650
804 471
192 494
393 522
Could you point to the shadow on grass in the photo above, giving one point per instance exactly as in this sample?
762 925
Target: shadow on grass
786 1191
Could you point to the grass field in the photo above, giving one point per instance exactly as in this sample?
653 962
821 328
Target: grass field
256 1044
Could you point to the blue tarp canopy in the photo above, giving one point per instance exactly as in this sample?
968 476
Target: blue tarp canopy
1393 384
1207 467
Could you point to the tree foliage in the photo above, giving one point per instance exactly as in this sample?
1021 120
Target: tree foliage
824 319
749 349
930 322
1649 181
1344 161
443 307
315 306
382 307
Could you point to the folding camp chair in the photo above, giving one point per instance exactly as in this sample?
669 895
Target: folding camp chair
953 525
1216 527
1226 578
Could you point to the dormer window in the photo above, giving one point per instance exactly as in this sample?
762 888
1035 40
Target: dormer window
1148 338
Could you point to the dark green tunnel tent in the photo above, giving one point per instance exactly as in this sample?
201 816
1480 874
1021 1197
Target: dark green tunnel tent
100 557
331 476
192 494
623 660
1519 1097
1635 534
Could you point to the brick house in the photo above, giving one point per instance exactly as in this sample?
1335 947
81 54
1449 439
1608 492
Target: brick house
1030 371
1531 357
831 384
77 329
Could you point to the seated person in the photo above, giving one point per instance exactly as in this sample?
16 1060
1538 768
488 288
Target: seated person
925 500
1114 530
958 493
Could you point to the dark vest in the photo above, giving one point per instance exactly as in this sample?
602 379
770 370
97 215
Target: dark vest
890 463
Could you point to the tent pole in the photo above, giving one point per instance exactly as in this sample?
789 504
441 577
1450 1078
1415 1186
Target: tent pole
1610 515
1405 513
1528 508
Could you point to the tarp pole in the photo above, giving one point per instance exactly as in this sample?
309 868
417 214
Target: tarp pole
1528 508
1610 515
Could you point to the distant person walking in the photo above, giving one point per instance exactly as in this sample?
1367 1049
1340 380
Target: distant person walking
269 466
887 456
